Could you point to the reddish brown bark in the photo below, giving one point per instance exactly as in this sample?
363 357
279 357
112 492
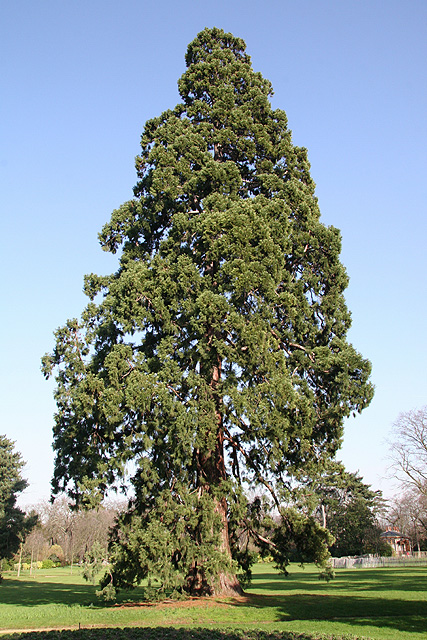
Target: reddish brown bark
212 468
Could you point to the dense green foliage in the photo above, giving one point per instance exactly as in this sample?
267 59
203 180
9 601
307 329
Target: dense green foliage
170 633
350 510
216 357
352 520
14 523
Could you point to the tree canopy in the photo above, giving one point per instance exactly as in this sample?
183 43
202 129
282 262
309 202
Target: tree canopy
350 510
215 358
14 523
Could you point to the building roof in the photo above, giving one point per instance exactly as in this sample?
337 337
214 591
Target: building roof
393 534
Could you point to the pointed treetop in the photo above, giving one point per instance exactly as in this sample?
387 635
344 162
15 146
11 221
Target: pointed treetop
210 42
218 68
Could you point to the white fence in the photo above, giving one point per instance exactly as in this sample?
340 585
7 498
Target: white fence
418 559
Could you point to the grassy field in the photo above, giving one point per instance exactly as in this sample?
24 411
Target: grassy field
387 604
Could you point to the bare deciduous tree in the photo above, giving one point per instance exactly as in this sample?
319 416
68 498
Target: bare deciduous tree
408 450
74 531
408 513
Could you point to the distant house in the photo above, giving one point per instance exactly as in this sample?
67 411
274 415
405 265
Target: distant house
400 543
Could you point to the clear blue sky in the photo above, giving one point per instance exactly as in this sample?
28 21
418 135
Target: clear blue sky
77 82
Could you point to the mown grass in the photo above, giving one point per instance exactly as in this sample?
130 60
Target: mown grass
383 604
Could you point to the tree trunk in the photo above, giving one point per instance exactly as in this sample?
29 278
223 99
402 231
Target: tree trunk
211 466
20 560
227 584
324 516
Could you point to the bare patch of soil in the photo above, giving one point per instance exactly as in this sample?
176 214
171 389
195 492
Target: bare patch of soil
195 601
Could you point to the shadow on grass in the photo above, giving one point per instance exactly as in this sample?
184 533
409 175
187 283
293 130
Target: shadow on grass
353 598
345 580
28 593
31 594
401 615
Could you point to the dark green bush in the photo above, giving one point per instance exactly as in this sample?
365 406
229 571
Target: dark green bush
6 565
171 633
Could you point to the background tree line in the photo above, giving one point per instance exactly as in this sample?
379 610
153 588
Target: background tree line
408 466
64 536
354 513
348 508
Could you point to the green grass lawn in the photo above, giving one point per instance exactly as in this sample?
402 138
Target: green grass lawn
388 603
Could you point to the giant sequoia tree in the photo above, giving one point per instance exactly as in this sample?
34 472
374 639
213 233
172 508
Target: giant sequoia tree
215 358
